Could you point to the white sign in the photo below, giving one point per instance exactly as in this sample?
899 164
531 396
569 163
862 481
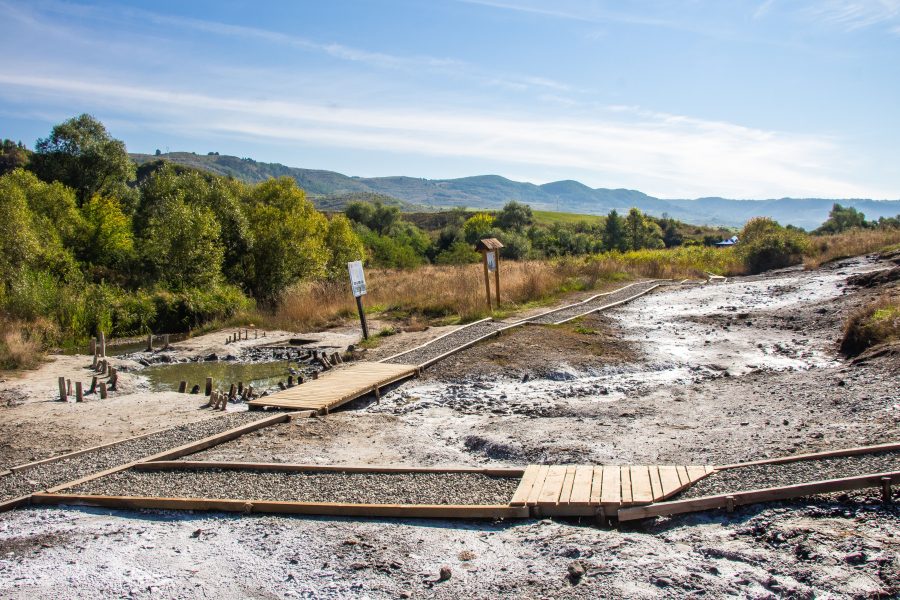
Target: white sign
491 261
357 278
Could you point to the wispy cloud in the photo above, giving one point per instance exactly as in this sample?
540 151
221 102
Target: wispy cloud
852 15
763 9
669 155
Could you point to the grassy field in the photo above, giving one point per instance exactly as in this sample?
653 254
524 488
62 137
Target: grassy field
547 217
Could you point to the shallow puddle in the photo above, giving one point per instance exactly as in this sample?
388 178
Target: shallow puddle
261 375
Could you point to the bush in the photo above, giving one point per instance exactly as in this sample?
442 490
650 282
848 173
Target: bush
873 324
766 245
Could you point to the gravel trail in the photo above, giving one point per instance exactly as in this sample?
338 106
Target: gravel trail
593 305
755 477
44 476
309 486
445 344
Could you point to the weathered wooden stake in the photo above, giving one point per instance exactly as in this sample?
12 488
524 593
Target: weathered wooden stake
281 385
256 334
497 276
103 390
315 375
79 394
113 378
63 396
208 386
195 389
68 388
166 341
93 389
94 363
240 388
182 387
149 342
886 490
249 392
231 392
487 280
94 346
290 381
102 344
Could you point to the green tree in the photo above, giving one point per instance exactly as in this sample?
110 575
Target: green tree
642 232
289 238
841 219
81 154
459 253
19 251
515 216
108 238
378 217
478 227
12 156
764 245
614 232
343 246
181 247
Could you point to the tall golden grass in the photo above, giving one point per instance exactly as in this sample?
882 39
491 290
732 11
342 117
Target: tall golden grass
22 344
458 292
855 242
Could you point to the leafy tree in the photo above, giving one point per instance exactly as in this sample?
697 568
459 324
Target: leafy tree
764 245
289 238
378 217
81 154
642 232
478 227
614 232
514 216
19 251
108 238
343 246
181 245
12 156
841 219
459 253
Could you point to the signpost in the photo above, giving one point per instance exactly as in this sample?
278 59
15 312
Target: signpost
490 250
358 285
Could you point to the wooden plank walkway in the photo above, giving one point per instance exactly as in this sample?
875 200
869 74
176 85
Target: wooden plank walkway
336 387
587 490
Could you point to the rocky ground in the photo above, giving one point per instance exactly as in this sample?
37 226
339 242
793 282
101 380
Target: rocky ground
709 374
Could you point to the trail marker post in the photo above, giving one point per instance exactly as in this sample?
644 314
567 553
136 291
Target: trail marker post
490 252
358 286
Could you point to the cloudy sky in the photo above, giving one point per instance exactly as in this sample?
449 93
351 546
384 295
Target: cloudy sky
760 99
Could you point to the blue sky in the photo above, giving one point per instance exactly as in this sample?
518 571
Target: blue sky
760 99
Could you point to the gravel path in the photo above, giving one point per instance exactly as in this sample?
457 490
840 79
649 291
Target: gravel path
48 475
309 486
775 475
593 305
446 344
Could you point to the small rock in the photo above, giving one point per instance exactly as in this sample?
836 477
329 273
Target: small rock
445 573
575 572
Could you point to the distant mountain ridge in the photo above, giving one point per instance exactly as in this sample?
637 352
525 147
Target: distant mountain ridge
328 188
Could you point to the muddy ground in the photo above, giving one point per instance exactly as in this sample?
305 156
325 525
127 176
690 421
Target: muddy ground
707 374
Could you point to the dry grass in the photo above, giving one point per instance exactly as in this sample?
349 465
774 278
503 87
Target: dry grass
850 243
21 344
875 323
458 293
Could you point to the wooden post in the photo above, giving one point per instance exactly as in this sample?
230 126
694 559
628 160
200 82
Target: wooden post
487 278
195 389
315 374
103 390
94 347
93 389
240 388
79 394
497 276
102 344
208 386
182 387
249 392
886 490
149 342
113 378
282 386
166 341
290 381
63 396
232 391
94 364
362 317
256 334
68 388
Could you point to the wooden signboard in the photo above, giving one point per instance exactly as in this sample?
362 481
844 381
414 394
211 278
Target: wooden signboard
358 286
490 251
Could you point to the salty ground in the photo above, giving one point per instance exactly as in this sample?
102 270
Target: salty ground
709 374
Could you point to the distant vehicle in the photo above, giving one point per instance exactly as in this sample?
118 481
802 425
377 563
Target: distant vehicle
729 242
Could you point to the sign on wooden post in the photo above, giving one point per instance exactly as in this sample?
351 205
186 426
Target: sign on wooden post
490 251
358 286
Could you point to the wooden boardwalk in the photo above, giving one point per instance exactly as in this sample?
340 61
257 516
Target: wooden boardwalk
336 387
585 490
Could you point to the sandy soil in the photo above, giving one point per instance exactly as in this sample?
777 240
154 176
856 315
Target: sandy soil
700 374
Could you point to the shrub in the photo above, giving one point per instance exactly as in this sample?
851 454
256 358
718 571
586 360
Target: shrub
872 324
766 245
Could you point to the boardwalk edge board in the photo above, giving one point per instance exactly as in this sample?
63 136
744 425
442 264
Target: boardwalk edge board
816 455
440 337
608 306
185 465
759 495
489 511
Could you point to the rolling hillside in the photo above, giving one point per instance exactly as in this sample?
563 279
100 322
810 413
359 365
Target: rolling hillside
333 190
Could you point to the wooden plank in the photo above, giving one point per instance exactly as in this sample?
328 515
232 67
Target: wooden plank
535 493
695 473
655 483
520 497
192 465
581 485
553 484
641 488
189 448
491 511
610 305
760 495
683 475
668 476
815 455
612 485
626 485
569 480
14 503
597 485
